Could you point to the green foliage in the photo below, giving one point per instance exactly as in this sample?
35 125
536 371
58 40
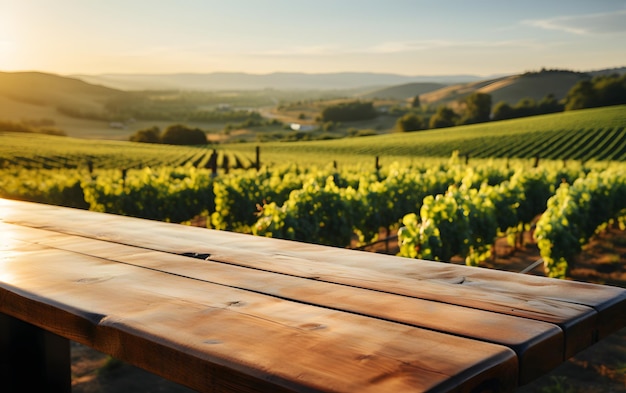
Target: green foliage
549 104
526 107
600 91
165 194
239 197
477 108
591 134
149 135
461 207
60 187
175 106
502 111
444 117
575 213
182 135
465 220
315 213
460 222
349 111
410 122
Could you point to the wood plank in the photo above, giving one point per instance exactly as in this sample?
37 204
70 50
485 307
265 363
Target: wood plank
494 291
539 346
414 278
218 337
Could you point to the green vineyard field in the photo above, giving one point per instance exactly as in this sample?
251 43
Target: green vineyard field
591 134
332 193
586 135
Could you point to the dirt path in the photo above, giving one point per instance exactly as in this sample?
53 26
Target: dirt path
599 369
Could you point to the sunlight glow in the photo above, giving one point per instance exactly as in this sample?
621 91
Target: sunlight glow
69 37
8 243
7 236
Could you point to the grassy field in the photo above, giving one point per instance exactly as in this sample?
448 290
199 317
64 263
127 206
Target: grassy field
592 134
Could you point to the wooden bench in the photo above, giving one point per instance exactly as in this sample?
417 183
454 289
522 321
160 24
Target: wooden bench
220 311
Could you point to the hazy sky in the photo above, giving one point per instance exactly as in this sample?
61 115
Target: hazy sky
411 37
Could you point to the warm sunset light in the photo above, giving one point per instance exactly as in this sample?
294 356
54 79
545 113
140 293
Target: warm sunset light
400 36
312 195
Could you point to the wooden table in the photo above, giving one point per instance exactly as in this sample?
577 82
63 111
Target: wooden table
220 311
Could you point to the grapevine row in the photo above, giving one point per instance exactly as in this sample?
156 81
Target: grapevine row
575 213
450 209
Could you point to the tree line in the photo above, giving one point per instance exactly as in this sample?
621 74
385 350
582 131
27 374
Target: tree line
605 90
176 134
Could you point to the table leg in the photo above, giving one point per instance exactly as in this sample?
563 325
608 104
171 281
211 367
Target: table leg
32 359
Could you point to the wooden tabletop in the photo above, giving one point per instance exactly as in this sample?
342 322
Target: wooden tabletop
220 310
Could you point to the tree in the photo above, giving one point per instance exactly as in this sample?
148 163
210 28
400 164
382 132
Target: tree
444 117
610 90
148 135
182 135
582 95
600 91
349 111
526 107
477 108
415 102
410 122
503 111
549 104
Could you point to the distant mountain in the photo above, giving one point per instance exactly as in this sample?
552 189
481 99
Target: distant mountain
278 81
402 92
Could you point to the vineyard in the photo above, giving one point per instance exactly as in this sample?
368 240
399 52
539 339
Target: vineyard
31 151
443 207
591 134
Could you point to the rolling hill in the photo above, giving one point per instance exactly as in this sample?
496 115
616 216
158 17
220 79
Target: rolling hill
35 96
49 89
511 89
402 92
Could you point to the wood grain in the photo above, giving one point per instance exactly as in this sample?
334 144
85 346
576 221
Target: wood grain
544 321
539 345
592 311
191 331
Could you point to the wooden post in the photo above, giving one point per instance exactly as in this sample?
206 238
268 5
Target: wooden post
377 164
258 158
33 359
213 163
467 157
225 164
536 161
